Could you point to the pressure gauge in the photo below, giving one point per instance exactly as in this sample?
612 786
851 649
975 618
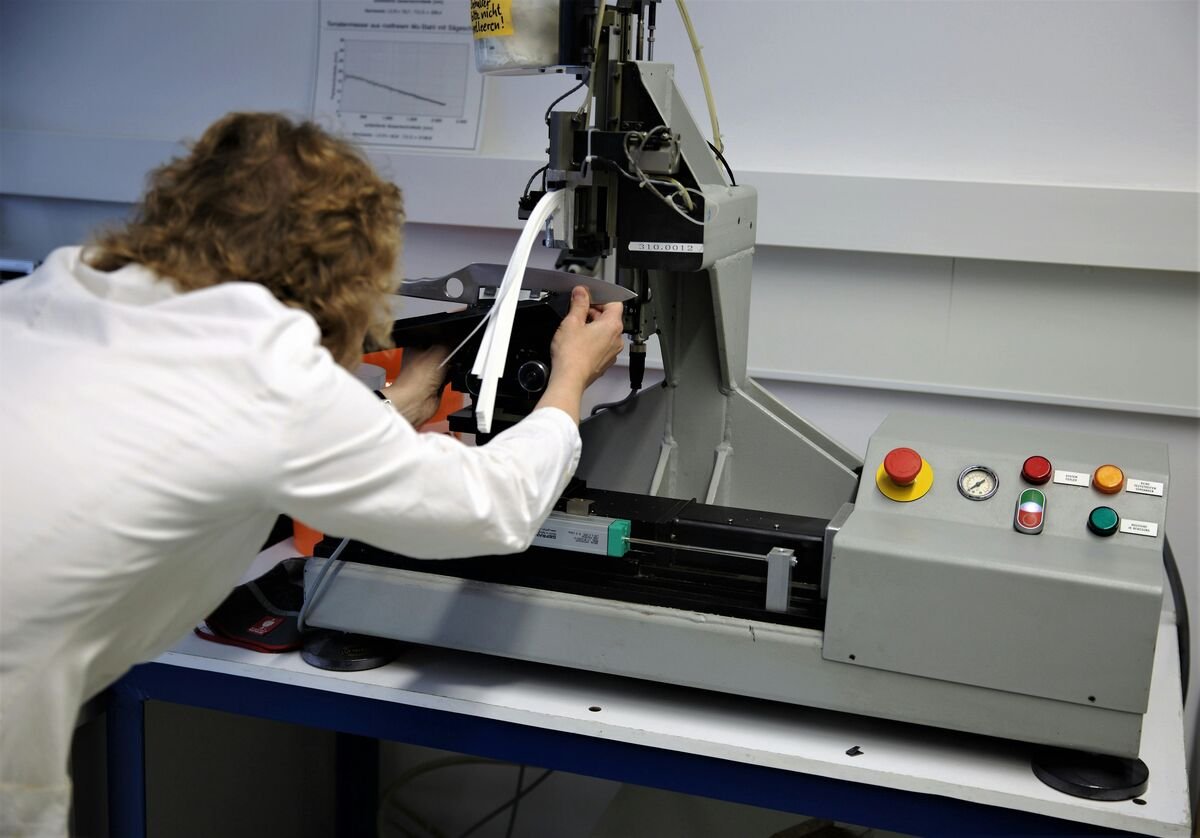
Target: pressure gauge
978 483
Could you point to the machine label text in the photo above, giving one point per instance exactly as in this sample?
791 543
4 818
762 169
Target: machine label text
1072 478
666 247
1139 528
1144 487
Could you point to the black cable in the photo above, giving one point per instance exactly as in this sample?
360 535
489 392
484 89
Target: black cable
637 371
529 182
617 168
1182 623
560 98
637 364
724 163
512 816
614 405
501 809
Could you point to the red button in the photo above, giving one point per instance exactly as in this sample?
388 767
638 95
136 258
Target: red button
1037 470
902 465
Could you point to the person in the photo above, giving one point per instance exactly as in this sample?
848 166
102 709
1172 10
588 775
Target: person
174 386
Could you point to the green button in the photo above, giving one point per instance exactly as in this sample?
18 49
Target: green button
1104 520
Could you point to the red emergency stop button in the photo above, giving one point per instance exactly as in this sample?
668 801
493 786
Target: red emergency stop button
1037 470
902 466
903 476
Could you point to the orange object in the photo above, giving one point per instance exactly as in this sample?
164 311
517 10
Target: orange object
451 401
1108 479
306 537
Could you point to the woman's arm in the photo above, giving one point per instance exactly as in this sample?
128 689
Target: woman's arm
417 389
351 468
586 344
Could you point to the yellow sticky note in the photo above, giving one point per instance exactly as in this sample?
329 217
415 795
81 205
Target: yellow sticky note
491 18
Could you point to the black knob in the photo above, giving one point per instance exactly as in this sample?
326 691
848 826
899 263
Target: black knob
533 376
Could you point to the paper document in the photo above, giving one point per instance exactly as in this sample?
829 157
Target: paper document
398 73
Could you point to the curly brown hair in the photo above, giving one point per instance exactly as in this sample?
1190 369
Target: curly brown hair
262 199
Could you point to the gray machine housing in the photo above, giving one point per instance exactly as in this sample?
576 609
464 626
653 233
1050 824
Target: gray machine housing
945 587
938 612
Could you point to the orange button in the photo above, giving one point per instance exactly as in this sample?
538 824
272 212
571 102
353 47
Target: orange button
1108 479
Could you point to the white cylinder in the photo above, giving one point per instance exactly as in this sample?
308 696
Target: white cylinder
515 36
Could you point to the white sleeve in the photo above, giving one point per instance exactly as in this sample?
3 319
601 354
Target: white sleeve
353 467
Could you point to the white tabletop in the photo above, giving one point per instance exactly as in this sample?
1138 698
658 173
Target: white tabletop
805 740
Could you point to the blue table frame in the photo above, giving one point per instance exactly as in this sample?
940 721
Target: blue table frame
363 721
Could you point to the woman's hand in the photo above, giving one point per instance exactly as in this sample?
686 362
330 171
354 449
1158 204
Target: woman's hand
417 390
586 344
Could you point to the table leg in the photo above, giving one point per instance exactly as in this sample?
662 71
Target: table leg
126 728
356 766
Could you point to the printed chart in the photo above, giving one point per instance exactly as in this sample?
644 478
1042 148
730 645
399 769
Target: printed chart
402 78
399 74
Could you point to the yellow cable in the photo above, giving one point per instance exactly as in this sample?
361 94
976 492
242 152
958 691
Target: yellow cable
680 189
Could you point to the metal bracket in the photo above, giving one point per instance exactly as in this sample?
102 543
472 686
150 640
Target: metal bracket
780 562
832 529
579 506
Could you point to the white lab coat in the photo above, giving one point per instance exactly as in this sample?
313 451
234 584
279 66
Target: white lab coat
148 439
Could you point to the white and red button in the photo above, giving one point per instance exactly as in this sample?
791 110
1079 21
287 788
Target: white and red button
1030 516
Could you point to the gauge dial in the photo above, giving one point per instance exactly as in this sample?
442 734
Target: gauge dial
978 483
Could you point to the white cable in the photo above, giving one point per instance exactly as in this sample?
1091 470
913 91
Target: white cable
644 181
493 349
486 317
708 96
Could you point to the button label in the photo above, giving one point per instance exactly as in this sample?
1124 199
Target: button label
1072 478
1144 487
1148 528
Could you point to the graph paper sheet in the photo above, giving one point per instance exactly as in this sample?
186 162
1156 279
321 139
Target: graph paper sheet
398 74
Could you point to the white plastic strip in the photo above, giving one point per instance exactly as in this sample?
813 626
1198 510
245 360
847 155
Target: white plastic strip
493 350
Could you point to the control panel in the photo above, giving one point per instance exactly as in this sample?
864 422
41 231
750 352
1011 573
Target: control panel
1021 559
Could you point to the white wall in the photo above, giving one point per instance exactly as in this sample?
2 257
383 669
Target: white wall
1099 94
1049 131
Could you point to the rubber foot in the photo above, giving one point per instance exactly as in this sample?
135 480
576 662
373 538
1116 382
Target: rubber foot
1091 776
341 651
